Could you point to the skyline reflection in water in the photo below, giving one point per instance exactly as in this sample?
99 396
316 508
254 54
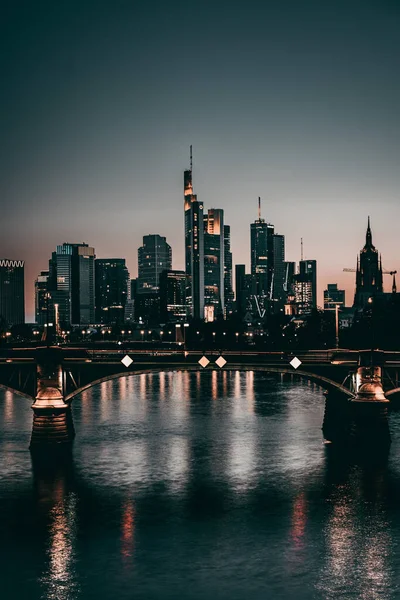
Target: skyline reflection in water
196 484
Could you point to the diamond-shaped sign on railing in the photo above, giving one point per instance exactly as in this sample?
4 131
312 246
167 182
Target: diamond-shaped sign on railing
295 362
204 361
220 362
127 361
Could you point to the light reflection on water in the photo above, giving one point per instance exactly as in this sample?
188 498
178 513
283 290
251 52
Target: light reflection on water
192 485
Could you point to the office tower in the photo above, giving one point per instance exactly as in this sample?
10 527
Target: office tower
244 290
309 269
279 273
194 247
214 247
111 290
262 255
130 303
228 283
369 272
41 287
305 287
240 272
12 291
74 266
173 296
333 296
154 257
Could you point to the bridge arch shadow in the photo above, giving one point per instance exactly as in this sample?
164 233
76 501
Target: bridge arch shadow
324 382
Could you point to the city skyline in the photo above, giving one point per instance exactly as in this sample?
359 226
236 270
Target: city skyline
349 289
296 104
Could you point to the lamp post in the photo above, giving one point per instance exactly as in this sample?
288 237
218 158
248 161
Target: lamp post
336 309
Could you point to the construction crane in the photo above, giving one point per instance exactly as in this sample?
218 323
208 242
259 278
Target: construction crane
392 273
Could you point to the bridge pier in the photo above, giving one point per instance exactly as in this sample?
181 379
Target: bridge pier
369 421
52 417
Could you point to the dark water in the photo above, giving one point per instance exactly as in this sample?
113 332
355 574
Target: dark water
196 486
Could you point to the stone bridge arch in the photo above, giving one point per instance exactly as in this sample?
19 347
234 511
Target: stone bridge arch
328 384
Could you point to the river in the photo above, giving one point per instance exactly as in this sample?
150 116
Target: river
201 485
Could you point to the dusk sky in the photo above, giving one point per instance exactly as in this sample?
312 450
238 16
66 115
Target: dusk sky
296 102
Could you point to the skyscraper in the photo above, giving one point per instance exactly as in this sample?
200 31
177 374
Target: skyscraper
173 296
228 283
111 290
369 272
305 287
214 261
71 283
154 257
279 273
262 255
194 247
12 291
240 273
41 291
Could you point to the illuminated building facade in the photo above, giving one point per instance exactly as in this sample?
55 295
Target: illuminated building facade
194 247
12 291
228 284
75 277
154 257
111 290
262 255
41 291
305 287
173 306
214 262
279 273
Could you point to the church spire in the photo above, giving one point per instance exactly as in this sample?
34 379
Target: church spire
368 241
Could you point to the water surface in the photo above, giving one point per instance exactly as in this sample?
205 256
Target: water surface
211 485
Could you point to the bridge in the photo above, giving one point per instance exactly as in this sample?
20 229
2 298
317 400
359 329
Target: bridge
358 384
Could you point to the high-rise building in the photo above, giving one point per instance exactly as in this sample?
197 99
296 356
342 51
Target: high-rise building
240 272
72 269
154 257
369 272
173 296
111 290
228 283
279 273
262 255
12 291
244 290
194 247
305 287
214 261
41 299
333 296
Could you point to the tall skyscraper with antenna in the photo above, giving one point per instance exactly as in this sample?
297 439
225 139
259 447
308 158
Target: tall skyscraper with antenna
262 254
194 246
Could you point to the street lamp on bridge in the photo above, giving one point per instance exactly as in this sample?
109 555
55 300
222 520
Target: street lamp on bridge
336 309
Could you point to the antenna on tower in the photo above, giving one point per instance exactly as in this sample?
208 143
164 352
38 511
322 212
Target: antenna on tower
259 208
191 158
301 245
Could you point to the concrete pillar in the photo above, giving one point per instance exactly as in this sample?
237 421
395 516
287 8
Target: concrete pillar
369 409
52 417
